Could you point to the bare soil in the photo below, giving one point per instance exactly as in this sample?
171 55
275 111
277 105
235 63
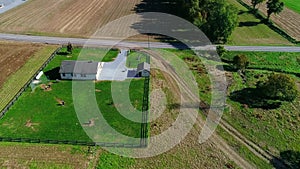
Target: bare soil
13 55
78 18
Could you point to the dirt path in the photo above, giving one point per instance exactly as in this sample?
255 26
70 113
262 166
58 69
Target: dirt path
216 140
288 20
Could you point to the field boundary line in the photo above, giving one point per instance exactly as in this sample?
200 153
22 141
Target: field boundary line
20 92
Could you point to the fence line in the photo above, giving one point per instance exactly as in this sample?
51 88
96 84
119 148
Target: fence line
144 124
145 111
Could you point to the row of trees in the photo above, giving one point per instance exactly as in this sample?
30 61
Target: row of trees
273 6
216 18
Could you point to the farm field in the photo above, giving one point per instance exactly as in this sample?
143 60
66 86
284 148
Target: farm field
19 61
251 31
23 155
292 4
36 114
75 18
288 20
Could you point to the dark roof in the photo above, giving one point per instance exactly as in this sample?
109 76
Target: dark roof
143 66
79 67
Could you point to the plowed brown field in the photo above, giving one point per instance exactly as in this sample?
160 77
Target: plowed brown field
76 18
13 56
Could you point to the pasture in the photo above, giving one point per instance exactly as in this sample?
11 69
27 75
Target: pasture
251 31
39 114
292 4
274 128
288 20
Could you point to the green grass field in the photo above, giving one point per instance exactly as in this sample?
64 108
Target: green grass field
134 58
292 4
274 129
45 119
251 32
273 61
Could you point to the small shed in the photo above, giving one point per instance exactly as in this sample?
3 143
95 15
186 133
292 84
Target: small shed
80 70
143 69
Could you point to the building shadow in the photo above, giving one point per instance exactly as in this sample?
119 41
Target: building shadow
53 74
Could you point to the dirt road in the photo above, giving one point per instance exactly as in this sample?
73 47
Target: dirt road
216 140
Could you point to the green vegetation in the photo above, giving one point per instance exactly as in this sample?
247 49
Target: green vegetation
16 81
274 61
134 58
39 114
274 6
278 87
251 31
111 161
272 127
292 4
243 150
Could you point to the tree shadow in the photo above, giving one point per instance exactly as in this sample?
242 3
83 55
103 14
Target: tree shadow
165 28
226 68
253 99
249 23
290 158
53 74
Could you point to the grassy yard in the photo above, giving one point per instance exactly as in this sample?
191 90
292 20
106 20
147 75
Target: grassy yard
135 58
38 114
252 32
292 4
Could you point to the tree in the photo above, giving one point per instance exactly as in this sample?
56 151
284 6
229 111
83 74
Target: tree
69 47
240 62
278 87
274 6
221 51
221 19
256 2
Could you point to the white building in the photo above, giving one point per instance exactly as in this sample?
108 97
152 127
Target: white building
80 70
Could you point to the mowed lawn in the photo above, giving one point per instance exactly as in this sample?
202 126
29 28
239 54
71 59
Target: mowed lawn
292 4
251 31
134 58
38 114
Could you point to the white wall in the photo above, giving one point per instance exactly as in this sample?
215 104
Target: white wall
78 77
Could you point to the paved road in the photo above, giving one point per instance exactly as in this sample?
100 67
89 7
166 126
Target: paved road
9 4
102 42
